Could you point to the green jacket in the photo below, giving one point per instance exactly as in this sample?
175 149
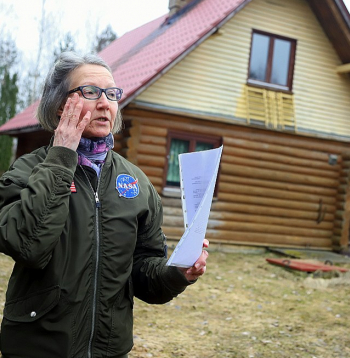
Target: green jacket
80 257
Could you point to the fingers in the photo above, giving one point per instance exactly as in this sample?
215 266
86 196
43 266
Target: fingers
70 127
71 112
199 268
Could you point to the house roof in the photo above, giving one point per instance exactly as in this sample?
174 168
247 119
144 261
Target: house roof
141 56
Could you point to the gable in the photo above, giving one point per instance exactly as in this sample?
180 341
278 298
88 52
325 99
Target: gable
211 80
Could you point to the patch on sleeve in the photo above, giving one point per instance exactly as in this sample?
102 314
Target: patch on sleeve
73 189
127 186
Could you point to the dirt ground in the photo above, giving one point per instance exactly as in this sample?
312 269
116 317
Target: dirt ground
244 307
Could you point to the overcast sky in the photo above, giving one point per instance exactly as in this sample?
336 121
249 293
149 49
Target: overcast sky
22 18
73 16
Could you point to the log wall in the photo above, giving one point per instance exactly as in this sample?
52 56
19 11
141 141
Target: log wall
274 189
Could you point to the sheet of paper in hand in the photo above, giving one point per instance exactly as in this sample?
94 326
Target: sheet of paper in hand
198 172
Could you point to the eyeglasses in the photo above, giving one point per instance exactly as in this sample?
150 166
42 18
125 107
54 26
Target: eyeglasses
94 92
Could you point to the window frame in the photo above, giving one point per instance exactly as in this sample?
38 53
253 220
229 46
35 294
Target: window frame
267 84
170 190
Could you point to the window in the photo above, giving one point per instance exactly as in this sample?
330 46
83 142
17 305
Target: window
183 143
271 61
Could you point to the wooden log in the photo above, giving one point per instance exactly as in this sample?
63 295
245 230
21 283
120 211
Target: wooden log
269 220
336 240
243 171
165 120
340 206
171 202
247 238
235 152
224 178
156 181
342 189
149 130
269 211
339 214
346 155
337 231
251 218
283 149
177 221
151 149
344 180
267 228
269 238
276 203
345 163
338 223
151 160
153 140
256 163
275 193
152 171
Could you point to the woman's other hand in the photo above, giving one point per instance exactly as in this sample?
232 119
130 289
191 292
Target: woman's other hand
198 269
70 128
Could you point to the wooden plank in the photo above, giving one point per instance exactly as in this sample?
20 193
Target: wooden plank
277 161
151 160
251 218
280 149
167 120
152 171
248 238
262 183
276 203
275 193
259 173
253 227
270 211
151 149
153 140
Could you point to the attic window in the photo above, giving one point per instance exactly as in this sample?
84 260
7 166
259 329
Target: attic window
271 61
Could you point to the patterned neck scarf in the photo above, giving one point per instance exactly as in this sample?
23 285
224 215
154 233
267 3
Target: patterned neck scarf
92 152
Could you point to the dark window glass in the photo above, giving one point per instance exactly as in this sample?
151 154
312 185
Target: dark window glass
184 143
177 146
203 146
280 62
259 57
271 60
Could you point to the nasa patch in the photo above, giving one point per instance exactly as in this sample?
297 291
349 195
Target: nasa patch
127 186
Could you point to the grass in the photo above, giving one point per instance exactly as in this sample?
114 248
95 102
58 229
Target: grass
244 307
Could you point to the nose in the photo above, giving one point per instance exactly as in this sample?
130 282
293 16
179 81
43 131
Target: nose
103 101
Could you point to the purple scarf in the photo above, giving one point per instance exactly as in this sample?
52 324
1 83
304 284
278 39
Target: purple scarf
92 152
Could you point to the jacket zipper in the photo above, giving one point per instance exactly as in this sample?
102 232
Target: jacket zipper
94 299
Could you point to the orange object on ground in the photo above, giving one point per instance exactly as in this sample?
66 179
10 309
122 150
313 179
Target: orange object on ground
306 266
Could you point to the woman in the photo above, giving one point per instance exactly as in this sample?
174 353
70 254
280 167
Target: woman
83 226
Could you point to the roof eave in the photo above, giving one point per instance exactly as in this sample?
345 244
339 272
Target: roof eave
335 20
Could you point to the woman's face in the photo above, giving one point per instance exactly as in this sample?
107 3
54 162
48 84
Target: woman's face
103 111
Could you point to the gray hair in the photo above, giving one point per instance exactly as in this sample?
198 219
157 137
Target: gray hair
57 85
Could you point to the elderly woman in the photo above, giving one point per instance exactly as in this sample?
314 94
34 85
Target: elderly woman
83 226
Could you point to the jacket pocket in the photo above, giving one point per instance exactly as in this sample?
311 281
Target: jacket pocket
32 307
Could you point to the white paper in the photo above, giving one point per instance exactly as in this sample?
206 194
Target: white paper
198 172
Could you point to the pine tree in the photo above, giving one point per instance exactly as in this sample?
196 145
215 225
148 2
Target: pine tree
8 98
104 39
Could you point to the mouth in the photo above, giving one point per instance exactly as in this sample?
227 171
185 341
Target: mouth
102 119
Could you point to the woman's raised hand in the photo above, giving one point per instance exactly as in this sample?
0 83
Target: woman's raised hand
70 127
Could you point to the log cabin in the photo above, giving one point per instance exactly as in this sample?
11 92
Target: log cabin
268 79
